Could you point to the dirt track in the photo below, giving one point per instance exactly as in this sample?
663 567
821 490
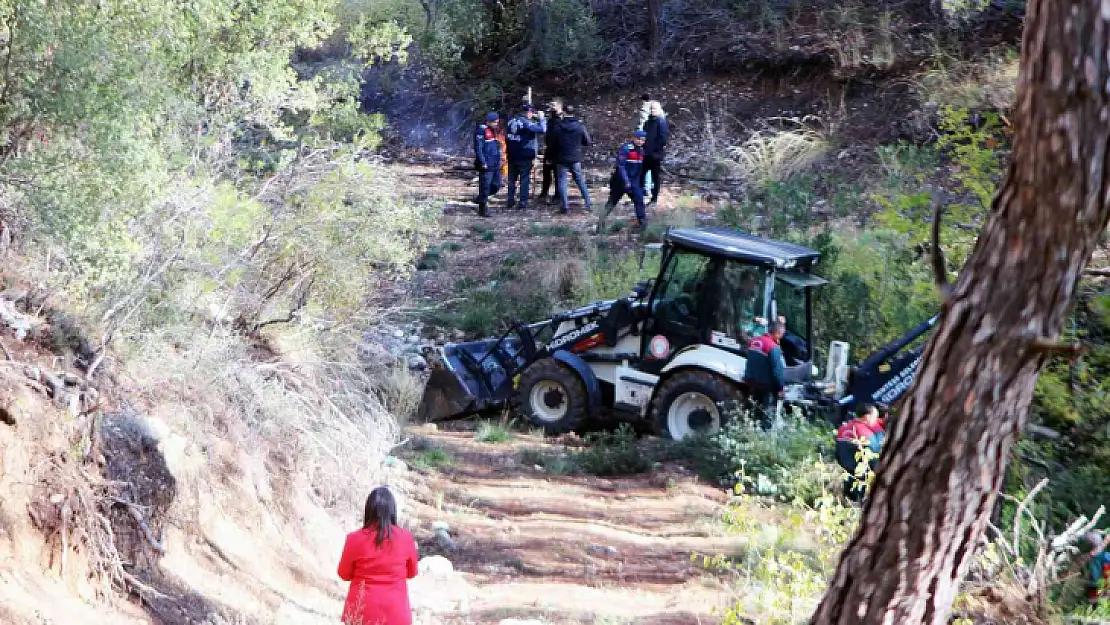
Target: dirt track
568 549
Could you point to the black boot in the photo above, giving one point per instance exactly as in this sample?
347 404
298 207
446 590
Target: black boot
483 209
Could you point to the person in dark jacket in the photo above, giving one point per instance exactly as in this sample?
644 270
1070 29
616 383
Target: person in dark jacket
487 160
550 147
658 132
522 143
570 136
626 179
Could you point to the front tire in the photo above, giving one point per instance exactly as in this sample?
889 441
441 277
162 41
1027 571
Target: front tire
552 396
692 402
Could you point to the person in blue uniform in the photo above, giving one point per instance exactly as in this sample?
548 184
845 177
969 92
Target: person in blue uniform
522 144
626 177
487 160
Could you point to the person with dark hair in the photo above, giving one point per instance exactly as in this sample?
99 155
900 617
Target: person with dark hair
626 180
550 148
487 160
571 137
864 432
655 149
522 147
378 560
775 331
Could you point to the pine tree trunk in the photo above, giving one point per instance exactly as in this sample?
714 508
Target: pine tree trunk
946 454
655 34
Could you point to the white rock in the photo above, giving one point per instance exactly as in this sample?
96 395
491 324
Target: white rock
398 334
435 566
517 621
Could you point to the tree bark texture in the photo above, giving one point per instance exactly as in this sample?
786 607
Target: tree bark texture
947 452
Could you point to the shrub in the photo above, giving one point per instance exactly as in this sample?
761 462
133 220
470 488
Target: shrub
613 453
792 462
551 462
777 581
430 459
493 432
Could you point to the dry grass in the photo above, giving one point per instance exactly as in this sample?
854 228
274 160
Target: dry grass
564 279
989 83
774 155
316 423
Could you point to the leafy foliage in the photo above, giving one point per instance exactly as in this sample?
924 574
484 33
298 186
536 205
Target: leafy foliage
777 581
974 150
790 463
612 453
155 151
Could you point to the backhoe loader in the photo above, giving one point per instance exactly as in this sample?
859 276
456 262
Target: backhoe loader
675 351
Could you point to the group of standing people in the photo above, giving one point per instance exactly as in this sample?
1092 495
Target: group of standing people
638 162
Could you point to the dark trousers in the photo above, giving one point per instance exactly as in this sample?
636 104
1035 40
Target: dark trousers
846 452
653 165
579 180
489 183
520 171
618 190
548 176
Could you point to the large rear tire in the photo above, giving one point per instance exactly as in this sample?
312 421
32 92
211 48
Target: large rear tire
552 396
691 402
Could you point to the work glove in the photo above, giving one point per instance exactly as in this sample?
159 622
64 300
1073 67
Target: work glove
539 114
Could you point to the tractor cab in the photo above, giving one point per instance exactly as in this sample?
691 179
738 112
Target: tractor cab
721 288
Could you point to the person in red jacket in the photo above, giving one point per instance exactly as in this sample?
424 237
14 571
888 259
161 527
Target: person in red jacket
775 331
378 560
865 431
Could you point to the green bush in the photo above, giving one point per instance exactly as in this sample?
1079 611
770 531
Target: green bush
493 432
613 453
794 462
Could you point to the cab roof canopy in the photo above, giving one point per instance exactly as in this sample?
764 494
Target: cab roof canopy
737 245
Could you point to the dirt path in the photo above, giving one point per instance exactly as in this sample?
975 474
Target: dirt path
566 549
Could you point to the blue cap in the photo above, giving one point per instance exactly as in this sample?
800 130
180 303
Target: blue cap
527 107
491 117
640 134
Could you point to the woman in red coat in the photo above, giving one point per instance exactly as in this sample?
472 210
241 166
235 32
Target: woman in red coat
377 560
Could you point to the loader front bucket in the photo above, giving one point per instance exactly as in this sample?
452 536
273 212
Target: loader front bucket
467 378
445 396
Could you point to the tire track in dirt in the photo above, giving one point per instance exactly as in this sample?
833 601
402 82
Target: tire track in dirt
572 549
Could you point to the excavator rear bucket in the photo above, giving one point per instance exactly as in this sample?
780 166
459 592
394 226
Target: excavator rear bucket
467 378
